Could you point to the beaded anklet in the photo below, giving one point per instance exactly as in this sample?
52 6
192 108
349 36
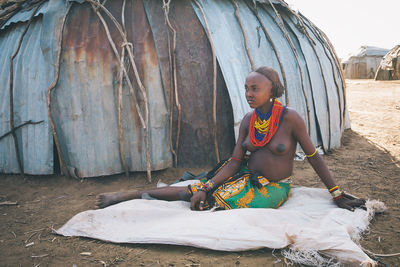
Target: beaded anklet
233 158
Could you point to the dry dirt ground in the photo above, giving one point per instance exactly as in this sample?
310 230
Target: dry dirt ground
366 165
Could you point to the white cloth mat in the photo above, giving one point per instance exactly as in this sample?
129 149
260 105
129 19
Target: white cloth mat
308 221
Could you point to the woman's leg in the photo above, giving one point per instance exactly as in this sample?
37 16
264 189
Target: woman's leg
163 193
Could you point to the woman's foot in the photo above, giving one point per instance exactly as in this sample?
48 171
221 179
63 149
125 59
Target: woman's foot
108 199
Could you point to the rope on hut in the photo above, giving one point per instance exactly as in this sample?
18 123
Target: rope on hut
246 45
214 79
286 34
63 166
120 106
19 126
12 128
267 35
172 60
129 49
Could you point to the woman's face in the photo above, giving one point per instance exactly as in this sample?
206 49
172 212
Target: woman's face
258 90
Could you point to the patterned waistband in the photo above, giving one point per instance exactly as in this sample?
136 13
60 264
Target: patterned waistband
264 181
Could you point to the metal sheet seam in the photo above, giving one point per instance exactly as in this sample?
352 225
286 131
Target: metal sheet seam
328 46
63 165
169 100
312 43
326 146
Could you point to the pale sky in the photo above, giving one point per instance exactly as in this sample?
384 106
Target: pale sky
350 24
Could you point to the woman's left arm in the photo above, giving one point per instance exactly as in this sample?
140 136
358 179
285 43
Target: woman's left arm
300 134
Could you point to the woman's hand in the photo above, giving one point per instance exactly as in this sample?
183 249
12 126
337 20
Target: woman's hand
349 202
197 200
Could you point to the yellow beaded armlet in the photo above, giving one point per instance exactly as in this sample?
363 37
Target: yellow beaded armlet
309 156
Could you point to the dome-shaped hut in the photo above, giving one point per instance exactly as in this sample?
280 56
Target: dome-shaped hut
389 68
135 85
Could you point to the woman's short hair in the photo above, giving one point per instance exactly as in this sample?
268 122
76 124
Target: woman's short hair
273 76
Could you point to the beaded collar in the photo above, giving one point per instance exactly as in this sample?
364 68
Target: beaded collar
264 126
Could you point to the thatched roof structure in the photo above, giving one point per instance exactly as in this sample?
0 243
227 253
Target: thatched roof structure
137 85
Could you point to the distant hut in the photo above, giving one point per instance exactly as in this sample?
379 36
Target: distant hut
364 63
389 68
145 85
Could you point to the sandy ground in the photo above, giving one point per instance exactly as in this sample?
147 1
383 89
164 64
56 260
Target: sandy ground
367 165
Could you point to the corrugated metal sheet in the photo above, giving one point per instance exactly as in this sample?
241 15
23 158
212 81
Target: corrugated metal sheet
366 50
23 16
31 79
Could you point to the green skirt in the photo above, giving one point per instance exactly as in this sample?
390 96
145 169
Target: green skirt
238 192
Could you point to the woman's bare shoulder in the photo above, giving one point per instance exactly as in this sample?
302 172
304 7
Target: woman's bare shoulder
246 118
291 115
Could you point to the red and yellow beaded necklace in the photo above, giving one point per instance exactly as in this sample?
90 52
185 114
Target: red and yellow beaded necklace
266 127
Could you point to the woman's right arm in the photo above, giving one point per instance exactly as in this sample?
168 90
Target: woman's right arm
230 169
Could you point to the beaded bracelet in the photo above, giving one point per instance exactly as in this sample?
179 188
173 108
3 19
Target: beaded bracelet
233 158
336 193
208 186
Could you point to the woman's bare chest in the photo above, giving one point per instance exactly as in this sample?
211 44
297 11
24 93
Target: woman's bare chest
280 144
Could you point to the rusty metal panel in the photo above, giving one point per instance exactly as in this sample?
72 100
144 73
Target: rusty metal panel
195 89
85 100
139 31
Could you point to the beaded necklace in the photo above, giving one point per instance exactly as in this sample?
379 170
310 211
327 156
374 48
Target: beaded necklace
264 126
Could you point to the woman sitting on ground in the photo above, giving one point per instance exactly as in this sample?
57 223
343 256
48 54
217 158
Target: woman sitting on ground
271 133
